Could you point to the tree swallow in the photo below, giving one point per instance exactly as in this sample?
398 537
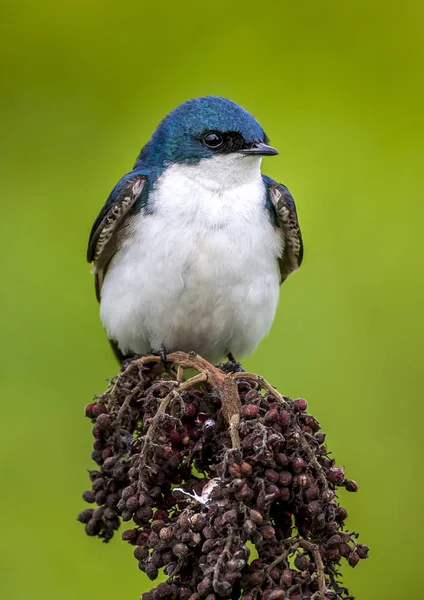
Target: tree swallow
192 245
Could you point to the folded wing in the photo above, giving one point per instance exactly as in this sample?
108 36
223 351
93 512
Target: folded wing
105 232
285 211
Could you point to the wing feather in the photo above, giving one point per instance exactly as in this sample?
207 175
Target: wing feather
285 210
104 233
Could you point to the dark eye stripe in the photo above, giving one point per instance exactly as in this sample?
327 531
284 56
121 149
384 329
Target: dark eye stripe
229 141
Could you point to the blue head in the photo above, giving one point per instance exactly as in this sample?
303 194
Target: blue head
204 128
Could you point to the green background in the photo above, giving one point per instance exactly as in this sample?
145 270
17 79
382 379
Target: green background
338 86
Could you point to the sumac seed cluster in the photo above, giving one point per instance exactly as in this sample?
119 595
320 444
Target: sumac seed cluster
261 521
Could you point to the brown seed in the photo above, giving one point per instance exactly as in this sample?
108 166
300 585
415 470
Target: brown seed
277 595
100 497
157 525
249 527
284 418
196 538
285 494
268 532
152 541
103 421
351 485
189 410
287 577
219 522
209 532
150 570
89 410
282 459
285 478
245 469
251 396
335 540
271 475
204 587
245 493
312 423
345 550
85 515
142 538
336 475
93 527
198 521
140 552
99 409
311 493
314 508
166 534
302 562
89 496
142 500
300 404
132 503
231 577
180 550
234 470
275 574
341 514
362 550
109 463
97 432
301 481
353 559
256 517
208 546
298 465
144 513
332 554
223 588
163 590
229 517
272 490
236 564
256 578
129 535
250 411
271 416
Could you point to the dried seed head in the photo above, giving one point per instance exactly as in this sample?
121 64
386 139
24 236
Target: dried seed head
279 486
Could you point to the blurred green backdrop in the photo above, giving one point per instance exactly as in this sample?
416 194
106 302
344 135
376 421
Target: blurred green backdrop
339 89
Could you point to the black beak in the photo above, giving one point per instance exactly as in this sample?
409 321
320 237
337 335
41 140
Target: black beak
259 149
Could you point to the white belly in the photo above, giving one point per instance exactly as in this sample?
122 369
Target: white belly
199 273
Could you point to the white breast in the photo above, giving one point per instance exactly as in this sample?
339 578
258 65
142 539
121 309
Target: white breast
200 271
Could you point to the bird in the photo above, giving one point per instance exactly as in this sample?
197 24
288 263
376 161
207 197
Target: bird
192 245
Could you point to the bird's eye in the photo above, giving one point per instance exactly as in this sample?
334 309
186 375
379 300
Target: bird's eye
213 140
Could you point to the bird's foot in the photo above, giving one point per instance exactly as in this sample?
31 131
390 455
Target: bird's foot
163 356
232 366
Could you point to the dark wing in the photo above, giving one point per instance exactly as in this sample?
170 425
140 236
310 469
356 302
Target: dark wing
104 233
285 210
